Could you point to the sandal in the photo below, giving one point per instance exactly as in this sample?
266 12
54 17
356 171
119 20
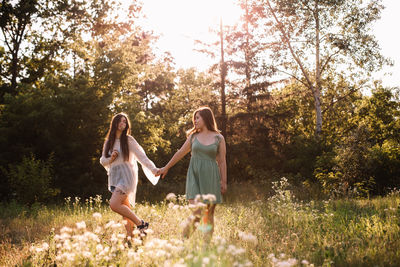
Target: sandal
144 226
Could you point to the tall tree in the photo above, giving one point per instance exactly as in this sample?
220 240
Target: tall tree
310 37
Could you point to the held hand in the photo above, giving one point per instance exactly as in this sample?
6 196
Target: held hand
157 172
163 172
223 187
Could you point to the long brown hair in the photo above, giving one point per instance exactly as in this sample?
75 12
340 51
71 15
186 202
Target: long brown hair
208 117
111 135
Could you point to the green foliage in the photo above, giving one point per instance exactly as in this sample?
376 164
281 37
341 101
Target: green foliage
31 180
59 92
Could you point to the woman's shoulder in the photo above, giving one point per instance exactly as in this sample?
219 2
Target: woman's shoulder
219 136
131 139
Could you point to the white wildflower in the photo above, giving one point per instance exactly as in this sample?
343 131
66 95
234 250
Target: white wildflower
97 215
137 241
247 237
116 225
201 205
81 225
86 254
149 231
45 246
65 229
121 236
210 197
98 230
136 232
109 224
99 247
287 263
171 197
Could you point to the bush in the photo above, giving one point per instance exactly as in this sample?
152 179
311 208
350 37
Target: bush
347 170
30 180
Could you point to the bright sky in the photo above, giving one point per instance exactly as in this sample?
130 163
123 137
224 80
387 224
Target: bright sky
180 22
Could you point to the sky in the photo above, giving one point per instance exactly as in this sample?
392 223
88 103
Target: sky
180 22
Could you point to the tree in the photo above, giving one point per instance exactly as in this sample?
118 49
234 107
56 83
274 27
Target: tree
308 38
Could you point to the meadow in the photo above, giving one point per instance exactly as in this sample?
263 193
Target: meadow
252 229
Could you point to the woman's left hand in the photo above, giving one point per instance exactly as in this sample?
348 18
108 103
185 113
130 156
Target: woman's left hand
223 187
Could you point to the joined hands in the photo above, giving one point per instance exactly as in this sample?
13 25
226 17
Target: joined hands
162 171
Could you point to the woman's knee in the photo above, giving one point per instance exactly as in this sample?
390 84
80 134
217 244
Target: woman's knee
115 203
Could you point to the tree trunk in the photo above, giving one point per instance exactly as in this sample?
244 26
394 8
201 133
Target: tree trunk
249 91
223 75
317 91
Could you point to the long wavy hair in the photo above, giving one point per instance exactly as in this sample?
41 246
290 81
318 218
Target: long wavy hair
209 120
111 136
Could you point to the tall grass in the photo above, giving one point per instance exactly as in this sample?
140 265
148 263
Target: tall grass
273 231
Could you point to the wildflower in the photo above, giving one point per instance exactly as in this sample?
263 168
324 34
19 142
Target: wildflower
148 231
116 225
136 232
287 263
38 249
209 197
99 247
197 198
171 205
109 224
192 206
137 241
171 197
175 207
81 225
86 254
179 265
65 229
201 205
305 262
248 237
206 260
45 246
97 215
121 236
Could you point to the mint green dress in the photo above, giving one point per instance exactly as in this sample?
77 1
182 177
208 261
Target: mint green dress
203 176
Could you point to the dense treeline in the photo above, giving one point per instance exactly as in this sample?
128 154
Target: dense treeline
293 108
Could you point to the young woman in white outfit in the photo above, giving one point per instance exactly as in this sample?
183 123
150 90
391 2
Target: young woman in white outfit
120 155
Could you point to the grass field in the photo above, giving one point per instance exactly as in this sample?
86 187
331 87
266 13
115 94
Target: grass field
257 231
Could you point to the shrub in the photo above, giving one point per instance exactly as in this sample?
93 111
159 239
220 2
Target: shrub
30 180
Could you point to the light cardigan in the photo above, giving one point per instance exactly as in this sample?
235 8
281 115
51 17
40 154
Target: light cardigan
136 153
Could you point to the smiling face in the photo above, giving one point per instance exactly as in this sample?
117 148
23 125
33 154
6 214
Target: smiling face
198 121
122 124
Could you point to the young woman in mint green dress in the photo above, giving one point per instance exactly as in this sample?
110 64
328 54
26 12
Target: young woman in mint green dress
206 175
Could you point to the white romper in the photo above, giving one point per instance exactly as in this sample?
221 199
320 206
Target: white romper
124 174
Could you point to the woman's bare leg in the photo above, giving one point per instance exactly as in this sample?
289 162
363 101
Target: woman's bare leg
118 198
210 221
129 224
191 221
